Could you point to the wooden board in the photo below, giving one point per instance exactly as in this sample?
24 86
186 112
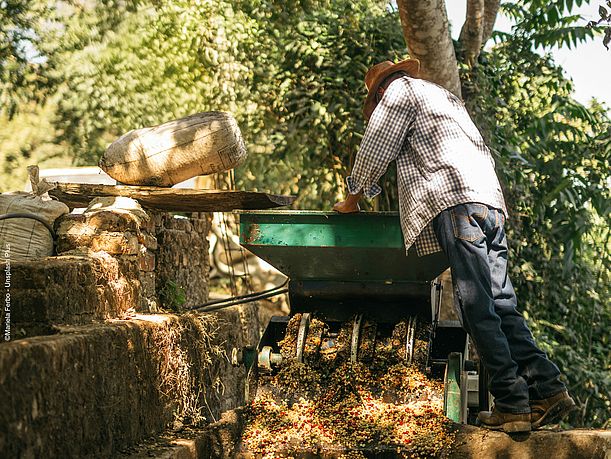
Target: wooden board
171 199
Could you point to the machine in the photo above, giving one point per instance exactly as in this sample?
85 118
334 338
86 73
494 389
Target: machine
354 268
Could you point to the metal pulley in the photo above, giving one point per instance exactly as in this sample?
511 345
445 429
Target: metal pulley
268 359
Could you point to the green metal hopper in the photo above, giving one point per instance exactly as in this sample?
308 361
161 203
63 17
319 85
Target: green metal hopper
308 245
345 266
342 262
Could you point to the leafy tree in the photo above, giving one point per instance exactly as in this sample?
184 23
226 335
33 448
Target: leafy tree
292 73
427 34
553 157
19 20
605 22
29 137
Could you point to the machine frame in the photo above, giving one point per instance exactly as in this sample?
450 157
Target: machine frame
341 266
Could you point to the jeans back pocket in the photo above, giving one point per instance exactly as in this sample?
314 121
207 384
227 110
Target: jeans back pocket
467 221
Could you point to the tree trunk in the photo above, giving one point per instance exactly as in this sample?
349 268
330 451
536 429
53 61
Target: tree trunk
471 34
427 34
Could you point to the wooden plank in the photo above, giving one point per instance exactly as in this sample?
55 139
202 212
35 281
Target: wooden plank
171 199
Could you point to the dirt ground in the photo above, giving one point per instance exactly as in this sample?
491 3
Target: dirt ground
222 440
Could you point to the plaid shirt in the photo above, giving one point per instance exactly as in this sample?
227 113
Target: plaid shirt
441 157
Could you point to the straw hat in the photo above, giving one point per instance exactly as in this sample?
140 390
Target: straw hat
376 75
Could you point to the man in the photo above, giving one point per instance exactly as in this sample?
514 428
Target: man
450 199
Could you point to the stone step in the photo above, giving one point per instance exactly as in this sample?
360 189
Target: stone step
110 261
71 289
94 390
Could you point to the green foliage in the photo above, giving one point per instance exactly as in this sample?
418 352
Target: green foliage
292 73
553 157
604 22
544 23
20 78
315 94
173 296
28 138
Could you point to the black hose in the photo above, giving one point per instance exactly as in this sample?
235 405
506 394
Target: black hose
241 299
222 300
30 216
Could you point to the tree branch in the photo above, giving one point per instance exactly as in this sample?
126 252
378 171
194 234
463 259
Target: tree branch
490 12
427 34
471 34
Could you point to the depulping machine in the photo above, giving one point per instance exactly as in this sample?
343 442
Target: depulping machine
353 268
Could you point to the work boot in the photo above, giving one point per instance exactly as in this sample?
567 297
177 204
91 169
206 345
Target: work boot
507 422
550 410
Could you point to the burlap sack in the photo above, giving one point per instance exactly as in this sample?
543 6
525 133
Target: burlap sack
25 238
175 151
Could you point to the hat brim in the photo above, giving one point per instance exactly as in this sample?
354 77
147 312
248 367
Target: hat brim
409 66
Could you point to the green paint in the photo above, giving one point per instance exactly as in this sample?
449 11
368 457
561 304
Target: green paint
315 229
452 405
309 245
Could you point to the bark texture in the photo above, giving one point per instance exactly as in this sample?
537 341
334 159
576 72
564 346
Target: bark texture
427 34
490 12
471 34
477 29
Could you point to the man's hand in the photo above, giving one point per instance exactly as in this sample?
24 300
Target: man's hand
350 205
343 207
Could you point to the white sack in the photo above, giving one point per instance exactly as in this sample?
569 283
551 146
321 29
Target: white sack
164 155
25 238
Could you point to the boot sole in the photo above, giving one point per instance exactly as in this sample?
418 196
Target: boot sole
555 413
516 426
510 427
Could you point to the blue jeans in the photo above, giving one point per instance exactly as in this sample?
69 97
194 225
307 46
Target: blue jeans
473 238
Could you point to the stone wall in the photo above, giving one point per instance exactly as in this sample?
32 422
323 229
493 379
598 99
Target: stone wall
71 289
123 230
112 259
96 390
183 263
170 252
94 369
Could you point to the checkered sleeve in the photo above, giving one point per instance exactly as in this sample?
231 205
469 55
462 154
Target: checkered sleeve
383 139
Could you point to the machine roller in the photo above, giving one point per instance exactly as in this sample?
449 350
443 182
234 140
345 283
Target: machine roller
354 294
